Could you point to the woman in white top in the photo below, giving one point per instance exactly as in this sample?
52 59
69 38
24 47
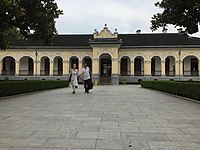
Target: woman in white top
74 75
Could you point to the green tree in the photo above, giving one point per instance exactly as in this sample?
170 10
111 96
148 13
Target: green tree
13 34
180 13
34 19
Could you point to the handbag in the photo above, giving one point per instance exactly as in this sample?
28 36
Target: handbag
70 77
90 85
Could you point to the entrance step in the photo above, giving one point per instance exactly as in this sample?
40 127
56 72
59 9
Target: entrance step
105 80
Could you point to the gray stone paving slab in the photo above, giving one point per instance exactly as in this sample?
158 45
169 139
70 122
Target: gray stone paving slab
122 144
145 137
32 127
119 129
91 128
70 143
11 141
108 123
35 148
182 138
174 145
98 135
4 148
109 118
15 133
160 130
54 134
137 124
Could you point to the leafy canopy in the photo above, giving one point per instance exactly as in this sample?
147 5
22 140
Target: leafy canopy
182 13
33 18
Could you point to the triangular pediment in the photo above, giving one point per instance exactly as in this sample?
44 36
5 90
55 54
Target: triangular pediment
105 34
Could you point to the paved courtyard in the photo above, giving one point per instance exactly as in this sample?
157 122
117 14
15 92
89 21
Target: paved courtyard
109 118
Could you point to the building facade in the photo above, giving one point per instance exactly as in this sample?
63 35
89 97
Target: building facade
112 57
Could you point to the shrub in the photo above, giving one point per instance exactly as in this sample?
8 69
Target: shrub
190 80
185 89
8 88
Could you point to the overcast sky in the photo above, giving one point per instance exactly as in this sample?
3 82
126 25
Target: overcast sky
83 16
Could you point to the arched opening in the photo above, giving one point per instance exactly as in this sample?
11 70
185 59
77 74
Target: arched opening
125 66
26 66
170 69
139 66
105 68
87 60
58 66
45 66
8 66
191 66
74 60
156 66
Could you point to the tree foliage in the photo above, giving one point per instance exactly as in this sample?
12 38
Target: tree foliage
13 34
180 13
34 19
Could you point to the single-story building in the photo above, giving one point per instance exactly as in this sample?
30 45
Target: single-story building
112 57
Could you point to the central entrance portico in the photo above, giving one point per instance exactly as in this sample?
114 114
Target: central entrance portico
105 47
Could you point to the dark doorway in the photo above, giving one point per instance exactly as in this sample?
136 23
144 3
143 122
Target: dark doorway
88 60
138 67
60 66
167 66
30 66
74 60
47 67
170 69
191 66
8 66
153 66
124 67
194 67
105 69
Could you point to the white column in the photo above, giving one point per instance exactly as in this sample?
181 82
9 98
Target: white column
16 68
95 66
36 68
132 68
119 67
115 66
147 68
163 68
65 68
179 68
1 67
35 73
51 68
95 71
199 66
80 65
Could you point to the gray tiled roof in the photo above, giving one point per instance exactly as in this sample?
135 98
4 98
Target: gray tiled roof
128 40
169 39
